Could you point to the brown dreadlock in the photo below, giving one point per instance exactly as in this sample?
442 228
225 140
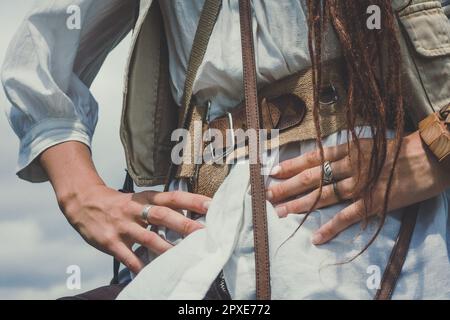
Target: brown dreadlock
372 60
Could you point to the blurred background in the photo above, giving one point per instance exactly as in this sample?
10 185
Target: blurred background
37 245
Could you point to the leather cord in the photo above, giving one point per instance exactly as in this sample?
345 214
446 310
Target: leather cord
398 254
258 193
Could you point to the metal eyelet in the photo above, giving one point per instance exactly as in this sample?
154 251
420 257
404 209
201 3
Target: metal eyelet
328 99
328 95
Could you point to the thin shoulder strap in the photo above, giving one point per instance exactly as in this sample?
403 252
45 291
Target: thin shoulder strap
206 24
398 254
253 115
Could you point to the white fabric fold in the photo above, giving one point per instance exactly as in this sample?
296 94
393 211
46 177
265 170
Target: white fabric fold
187 270
299 270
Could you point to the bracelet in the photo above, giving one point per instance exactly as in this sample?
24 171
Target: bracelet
435 133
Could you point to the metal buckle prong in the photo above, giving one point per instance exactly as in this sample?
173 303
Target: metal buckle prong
232 137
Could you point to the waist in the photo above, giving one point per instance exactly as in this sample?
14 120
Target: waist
287 116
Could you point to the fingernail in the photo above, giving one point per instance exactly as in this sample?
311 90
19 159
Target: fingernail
206 204
281 211
269 195
199 227
317 239
275 170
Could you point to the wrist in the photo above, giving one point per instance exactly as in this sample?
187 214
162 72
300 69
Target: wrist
71 172
439 169
72 196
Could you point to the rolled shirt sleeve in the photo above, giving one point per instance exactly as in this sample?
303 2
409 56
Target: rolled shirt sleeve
48 69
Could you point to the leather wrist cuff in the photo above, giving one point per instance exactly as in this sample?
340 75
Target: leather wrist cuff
435 133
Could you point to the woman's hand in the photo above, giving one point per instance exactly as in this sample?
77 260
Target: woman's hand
110 220
417 177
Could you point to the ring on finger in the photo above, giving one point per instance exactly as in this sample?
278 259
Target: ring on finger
327 173
336 192
145 214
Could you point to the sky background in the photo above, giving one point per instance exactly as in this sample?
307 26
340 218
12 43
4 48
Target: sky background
36 242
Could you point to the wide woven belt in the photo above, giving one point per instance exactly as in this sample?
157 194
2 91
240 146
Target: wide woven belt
286 105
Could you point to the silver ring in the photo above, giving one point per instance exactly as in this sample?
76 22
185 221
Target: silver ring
146 212
327 173
336 192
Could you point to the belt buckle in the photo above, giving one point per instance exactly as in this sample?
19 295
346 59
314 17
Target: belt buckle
232 137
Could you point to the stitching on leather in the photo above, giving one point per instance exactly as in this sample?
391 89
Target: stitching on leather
252 117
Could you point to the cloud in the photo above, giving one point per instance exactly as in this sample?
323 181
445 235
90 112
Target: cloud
37 264
36 242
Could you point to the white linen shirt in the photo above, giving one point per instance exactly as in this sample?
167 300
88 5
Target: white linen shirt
45 79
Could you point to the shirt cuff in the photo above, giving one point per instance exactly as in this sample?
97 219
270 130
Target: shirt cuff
43 136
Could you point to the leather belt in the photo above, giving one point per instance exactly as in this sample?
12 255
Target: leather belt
279 113
286 105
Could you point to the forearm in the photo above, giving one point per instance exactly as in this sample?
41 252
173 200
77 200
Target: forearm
47 73
70 169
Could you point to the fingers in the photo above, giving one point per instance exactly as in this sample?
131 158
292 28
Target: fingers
175 200
126 256
149 239
163 216
341 221
327 198
291 167
307 180
134 233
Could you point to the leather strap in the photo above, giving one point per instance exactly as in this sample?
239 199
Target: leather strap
253 116
206 24
281 113
230 141
398 254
